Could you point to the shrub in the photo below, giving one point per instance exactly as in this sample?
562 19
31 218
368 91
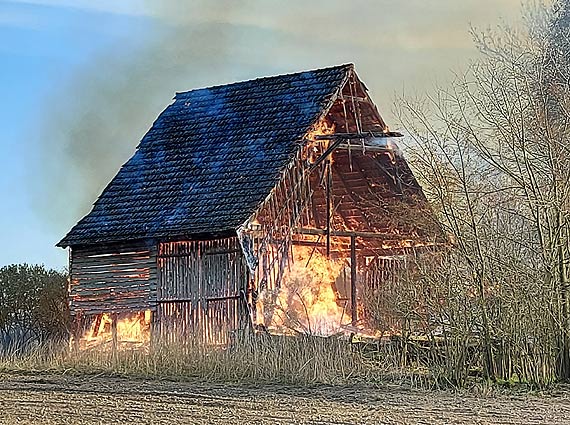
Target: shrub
33 306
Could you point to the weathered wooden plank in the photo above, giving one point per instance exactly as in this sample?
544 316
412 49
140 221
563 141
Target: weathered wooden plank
128 304
108 296
113 247
112 278
108 292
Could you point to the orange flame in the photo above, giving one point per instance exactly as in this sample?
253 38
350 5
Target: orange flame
307 301
132 331
319 129
314 147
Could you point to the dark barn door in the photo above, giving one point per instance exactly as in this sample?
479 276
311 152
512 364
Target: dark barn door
201 292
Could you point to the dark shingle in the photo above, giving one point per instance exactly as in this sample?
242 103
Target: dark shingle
210 158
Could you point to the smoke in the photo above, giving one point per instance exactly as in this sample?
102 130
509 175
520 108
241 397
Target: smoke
92 125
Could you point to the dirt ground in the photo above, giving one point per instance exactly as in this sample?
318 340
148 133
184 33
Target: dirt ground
102 400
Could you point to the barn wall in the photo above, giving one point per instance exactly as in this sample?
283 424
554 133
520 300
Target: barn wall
112 279
202 290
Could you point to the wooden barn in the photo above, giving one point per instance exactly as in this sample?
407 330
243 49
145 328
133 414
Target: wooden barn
239 200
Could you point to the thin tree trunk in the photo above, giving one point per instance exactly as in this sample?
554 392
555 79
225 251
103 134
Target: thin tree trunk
563 367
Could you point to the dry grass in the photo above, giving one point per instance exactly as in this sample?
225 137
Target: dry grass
302 360
294 360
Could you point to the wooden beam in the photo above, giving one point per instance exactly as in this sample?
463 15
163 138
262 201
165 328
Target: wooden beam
328 192
326 153
353 306
344 234
229 297
365 135
114 320
357 98
369 148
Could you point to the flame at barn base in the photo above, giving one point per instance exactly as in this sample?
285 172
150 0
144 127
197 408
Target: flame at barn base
307 301
132 332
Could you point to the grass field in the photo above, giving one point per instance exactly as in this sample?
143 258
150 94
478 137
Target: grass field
60 399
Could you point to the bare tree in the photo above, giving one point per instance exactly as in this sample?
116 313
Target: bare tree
492 152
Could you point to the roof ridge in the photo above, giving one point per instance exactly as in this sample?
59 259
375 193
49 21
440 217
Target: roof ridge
347 65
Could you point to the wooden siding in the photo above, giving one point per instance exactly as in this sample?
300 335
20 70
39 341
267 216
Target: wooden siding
112 279
202 290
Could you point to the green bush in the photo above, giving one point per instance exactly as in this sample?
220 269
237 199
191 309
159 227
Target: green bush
33 305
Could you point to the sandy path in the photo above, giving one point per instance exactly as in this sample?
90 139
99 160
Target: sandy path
101 400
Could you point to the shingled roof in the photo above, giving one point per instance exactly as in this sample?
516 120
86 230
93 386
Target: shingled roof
210 158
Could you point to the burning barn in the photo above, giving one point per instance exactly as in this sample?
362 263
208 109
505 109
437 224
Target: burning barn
268 203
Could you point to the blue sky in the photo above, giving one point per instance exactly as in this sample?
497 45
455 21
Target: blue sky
41 47
81 81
